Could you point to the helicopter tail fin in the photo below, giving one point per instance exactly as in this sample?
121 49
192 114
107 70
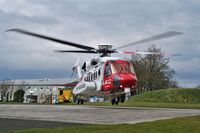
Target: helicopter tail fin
76 68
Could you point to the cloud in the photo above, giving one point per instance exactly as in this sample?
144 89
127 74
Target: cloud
95 22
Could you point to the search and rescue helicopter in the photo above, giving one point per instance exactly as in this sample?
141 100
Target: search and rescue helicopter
104 74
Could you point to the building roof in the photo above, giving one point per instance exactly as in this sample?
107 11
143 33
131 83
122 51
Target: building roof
42 82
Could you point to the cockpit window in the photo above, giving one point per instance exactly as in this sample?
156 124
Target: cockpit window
121 67
132 68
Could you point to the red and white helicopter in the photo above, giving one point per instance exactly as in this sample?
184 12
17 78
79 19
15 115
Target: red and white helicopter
104 74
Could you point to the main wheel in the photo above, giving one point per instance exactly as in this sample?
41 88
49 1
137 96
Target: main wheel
78 101
122 99
113 101
117 100
81 101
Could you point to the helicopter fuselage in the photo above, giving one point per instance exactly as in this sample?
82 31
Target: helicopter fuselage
106 75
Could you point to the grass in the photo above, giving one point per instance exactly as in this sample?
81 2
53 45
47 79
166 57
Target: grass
189 124
163 105
169 96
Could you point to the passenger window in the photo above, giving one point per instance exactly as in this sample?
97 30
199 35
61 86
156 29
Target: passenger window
94 75
107 70
99 72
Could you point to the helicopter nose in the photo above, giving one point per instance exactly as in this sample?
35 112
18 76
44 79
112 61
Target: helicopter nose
127 81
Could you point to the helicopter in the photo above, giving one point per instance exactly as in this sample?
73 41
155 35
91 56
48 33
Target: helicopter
105 75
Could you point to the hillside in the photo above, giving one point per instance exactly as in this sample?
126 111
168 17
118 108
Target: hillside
169 96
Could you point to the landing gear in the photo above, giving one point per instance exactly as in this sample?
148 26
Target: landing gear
80 100
122 98
118 98
115 100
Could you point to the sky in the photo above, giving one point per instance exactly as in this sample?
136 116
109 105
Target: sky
94 22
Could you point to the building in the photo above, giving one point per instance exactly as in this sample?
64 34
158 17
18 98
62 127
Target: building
36 90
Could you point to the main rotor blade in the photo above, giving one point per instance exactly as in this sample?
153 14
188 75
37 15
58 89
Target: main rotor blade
51 39
148 53
75 51
153 38
143 53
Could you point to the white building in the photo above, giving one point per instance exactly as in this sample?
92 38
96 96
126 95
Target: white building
37 90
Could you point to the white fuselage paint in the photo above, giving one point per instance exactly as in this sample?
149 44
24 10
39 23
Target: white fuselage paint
92 77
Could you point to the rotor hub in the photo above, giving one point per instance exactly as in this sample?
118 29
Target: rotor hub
105 50
105 47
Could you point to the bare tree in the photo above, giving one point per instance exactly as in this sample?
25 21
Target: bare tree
198 87
4 87
153 71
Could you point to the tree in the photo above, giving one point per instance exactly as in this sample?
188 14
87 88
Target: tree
19 95
153 71
4 87
198 87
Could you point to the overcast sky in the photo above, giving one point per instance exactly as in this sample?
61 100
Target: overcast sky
93 22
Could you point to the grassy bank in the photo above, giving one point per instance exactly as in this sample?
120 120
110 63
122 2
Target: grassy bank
169 96
177 125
